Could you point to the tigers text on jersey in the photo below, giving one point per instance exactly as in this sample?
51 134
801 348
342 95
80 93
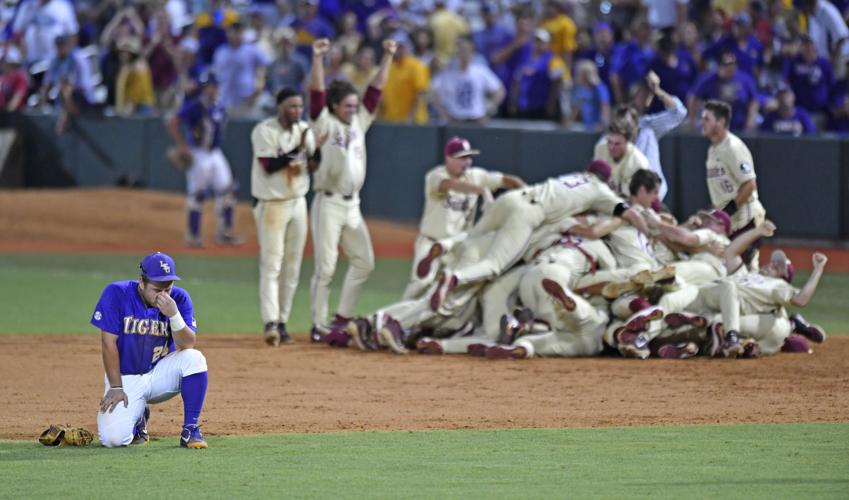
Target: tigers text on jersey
729 165
144 333
450 213
270 140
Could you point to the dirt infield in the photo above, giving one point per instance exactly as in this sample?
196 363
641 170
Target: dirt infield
312 388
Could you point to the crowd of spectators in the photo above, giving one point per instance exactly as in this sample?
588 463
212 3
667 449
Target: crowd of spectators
781 64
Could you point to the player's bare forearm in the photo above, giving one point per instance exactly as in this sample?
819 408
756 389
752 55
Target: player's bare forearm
111 359
319 47
512 182
596 231
743 241
173 127
807 292
379 80
636 220
679 235
185 338
745 192
459 187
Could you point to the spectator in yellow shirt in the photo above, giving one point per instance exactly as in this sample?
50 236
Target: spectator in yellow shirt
404 95
134 83
446 27
561 28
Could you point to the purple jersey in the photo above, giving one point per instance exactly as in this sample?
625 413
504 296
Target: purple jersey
144 333
797 124
749 57
810 81
202 124
739 91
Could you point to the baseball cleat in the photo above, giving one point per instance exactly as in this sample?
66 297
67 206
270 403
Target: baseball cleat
511 328
814 333
676 320
638 304
194 242
478 350
731 347
505 352
682 350
614 290
285 338
641 322
662 276
424 265
713 341
556 291
391 334
429 346
362 334
140 435
271 335
633 345
317 334
192 439
447 282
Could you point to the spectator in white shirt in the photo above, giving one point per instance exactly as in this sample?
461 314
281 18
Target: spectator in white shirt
40 22
666 14
826 27
467 91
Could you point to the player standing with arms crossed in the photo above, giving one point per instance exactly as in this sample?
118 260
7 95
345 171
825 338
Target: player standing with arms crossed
196 129
731 178
336 218
279 184
147 333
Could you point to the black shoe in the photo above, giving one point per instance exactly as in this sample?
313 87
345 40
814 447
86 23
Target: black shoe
285 338
814 333
731 346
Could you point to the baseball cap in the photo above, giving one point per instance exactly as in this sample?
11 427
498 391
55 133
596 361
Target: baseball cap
542 35
12 55
720 216
601 168
743 18
602 26
457 147
158 267
780 259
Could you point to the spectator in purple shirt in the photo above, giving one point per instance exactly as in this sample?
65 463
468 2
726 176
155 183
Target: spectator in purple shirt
730 85
838 112
239 67
745 46
493 35
602 52
536 84
631 61
810 77
506 59
675 67
310 26
788 119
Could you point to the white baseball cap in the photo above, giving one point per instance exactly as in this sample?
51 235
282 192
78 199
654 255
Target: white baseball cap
12 55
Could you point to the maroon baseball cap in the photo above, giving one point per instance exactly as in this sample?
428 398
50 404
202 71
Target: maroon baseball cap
720 216
457 147
601 168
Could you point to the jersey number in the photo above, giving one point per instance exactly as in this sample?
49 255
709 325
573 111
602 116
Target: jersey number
158 352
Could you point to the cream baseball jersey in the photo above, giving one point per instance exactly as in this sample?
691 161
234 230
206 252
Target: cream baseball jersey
270 140
450 213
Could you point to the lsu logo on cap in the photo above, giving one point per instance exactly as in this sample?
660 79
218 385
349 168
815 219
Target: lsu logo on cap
165 267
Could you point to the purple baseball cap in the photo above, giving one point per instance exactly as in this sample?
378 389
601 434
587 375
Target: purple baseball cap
457 147
720 216
601 168
158 267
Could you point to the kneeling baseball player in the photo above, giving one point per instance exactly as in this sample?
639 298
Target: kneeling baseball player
147 331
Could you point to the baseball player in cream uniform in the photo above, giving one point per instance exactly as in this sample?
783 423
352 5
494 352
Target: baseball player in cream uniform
336 219
451 196
624 158
731 178
279 184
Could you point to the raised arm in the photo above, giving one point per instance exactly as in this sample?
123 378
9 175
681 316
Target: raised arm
512 182
379 80
805 295
319 48
742 242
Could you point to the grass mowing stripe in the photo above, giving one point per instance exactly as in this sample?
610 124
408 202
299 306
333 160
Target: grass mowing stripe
61 291
760 461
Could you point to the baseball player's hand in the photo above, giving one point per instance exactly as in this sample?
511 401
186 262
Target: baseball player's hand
165 304
320 47
767 229
112 398
819 260
390 46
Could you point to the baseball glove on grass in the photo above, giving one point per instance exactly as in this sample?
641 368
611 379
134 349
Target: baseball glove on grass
63 435
180 159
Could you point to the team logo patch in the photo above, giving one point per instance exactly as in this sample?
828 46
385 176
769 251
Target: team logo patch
97 316
164 265
745 168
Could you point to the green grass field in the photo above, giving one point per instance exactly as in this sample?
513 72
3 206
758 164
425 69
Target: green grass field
56 293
